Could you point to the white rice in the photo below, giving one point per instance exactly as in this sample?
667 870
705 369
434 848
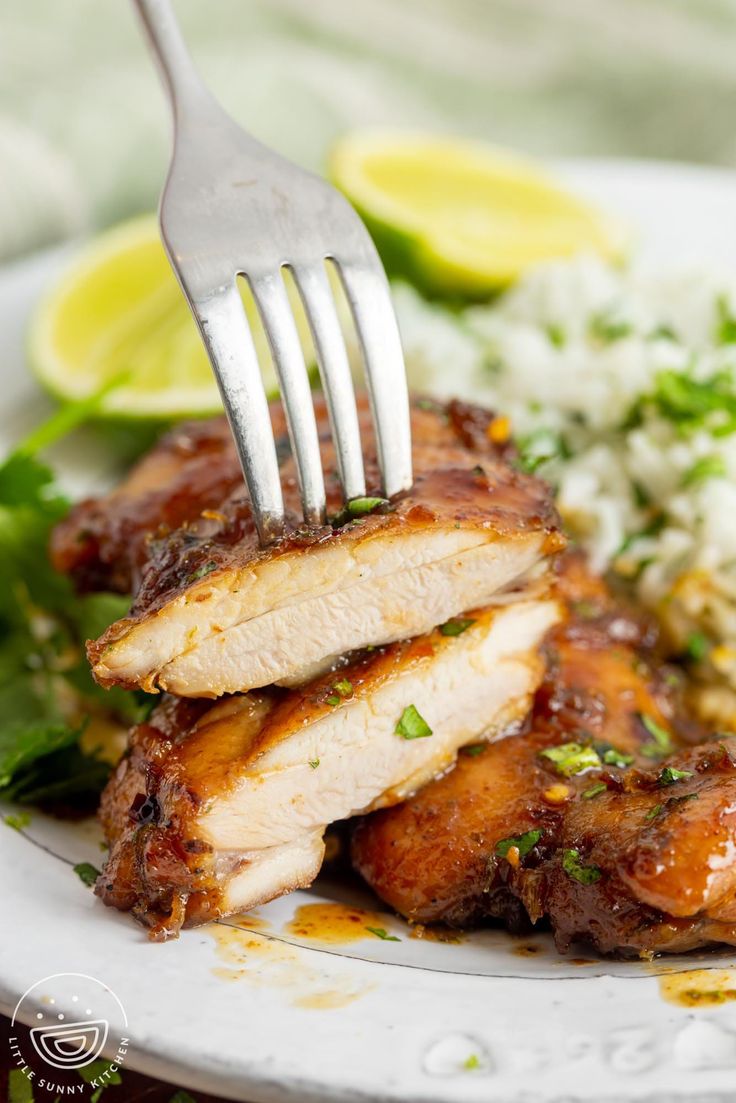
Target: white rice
571 354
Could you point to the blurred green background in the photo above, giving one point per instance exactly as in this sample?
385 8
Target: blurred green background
84 127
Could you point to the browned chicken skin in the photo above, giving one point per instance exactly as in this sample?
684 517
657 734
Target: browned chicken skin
635 855
104 543
216 613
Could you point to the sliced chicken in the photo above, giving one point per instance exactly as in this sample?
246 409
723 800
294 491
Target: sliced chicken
104 543
219 808
217 614
598 817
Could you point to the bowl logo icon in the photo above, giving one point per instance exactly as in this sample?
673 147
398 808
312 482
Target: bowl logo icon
72 1020
70 1045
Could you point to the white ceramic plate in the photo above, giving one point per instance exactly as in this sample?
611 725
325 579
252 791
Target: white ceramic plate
269 1015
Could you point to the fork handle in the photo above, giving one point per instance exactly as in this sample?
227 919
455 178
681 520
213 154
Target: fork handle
184 84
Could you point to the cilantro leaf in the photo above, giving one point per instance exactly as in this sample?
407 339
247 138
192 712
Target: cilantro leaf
669 775
382 933
411 725
573 867
523 843
86 873
572 758
456 626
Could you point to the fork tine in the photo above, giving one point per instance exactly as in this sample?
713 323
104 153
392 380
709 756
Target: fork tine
368 293
270 295
226 334
334 368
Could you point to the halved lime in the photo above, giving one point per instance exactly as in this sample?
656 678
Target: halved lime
117 311
461 218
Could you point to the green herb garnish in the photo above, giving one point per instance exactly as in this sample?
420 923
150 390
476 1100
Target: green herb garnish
86 873
725 329
382 933
611 756
314 763
343 688
358 507
707 467
572 758
473 749
697 646
201 572
573 867
606 328
661 743
669 775
17 822
411 725
539 447
456 626
654 812
523 843
557 335
599 787
471 1062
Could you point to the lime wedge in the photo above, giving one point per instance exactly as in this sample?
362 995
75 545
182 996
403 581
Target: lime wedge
459 217
117 313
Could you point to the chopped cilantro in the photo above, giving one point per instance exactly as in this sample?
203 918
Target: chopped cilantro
343 688
314 763
358 507
654 812
572 758
19 821
382 933
557 335
333 700
411 725
611 756
725 329
707 467
669 775
523 843
697 646
201 572
473 749
456 626
86 873
573 867
539 447
661 743
599 787
662 332
471 1062
605 327
690 403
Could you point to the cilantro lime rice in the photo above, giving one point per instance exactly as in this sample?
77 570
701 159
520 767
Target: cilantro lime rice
621 390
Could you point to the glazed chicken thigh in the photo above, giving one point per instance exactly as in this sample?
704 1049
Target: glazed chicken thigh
215 613
601 816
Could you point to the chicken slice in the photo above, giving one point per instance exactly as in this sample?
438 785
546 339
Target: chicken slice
104 543
218 614
219 808
627 842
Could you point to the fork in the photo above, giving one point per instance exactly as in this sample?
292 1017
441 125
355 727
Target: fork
232 207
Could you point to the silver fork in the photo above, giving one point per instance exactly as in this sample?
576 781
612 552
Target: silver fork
232 207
